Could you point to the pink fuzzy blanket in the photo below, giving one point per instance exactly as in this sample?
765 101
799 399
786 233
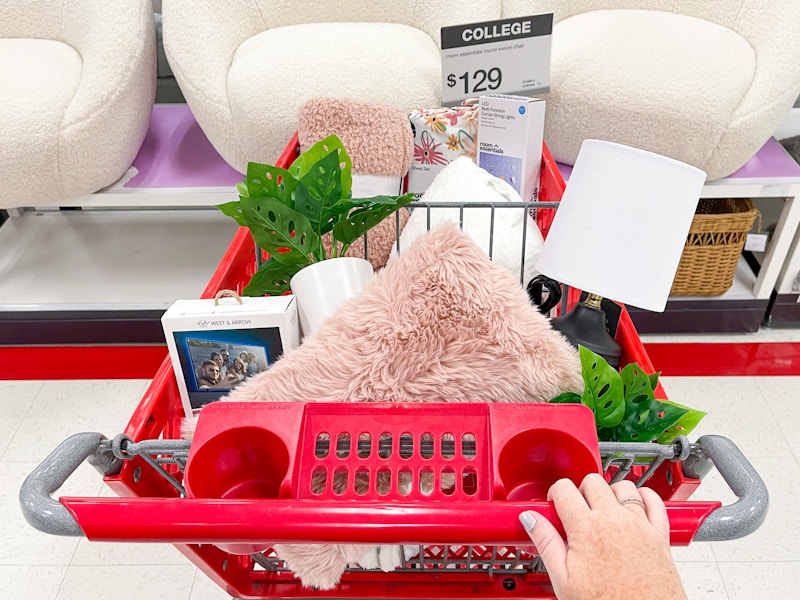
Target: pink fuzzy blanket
441 323
379 141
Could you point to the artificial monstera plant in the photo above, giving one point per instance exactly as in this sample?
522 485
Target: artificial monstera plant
624 403
288 211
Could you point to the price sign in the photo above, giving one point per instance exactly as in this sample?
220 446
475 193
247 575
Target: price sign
509 56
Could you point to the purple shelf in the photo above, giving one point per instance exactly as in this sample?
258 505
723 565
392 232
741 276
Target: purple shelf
176 153
771 162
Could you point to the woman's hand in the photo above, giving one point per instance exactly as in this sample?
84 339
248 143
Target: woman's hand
617 543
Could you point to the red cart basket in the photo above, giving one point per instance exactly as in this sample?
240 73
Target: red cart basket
465 539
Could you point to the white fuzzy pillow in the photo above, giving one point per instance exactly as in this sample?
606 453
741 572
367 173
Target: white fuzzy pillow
463 181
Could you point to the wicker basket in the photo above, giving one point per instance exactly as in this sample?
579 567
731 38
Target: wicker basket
716 238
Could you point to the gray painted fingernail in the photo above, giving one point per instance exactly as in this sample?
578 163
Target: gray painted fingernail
528 520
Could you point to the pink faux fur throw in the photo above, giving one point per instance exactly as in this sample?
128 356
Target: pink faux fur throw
379 141
377 137
441 323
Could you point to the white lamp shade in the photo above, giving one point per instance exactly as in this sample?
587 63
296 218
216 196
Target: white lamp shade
622 224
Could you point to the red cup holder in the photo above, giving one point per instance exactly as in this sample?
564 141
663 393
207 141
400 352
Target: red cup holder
535 459
238 463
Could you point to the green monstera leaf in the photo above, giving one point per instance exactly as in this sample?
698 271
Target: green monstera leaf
636 384
283 232
603 391
646 421
289 210
272 278
304 163
683 425
233 210
566 398
363 219
322 181
266 181
654 380
624 403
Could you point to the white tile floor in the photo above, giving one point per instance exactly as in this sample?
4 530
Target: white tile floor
759 414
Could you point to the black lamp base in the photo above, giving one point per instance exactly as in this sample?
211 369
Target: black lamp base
585 325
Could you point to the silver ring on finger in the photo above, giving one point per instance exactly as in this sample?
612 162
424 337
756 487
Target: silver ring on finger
625 501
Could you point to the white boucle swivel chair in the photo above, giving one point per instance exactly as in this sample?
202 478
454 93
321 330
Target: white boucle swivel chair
703 81
246 66
77 82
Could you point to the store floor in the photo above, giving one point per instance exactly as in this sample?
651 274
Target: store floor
758 413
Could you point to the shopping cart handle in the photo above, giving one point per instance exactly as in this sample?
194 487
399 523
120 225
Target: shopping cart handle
160 519
745 515
40 509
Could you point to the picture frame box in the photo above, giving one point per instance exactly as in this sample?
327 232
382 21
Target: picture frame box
262 328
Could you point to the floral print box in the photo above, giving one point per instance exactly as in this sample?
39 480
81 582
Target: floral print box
440 136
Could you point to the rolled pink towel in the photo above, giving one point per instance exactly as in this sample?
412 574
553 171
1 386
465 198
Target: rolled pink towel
380 144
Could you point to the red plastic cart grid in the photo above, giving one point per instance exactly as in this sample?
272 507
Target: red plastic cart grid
466 546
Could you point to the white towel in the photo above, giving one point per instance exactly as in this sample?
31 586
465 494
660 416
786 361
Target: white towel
463 181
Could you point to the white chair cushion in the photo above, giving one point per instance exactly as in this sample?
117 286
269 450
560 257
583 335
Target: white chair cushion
276 71
39 79
76 92
659 81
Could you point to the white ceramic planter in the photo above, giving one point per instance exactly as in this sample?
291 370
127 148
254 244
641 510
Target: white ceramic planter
322 287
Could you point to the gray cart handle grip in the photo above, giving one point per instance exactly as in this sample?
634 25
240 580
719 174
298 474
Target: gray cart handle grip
725 523
745 515
38 507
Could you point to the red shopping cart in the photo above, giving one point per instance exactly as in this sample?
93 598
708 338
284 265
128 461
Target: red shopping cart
243 483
